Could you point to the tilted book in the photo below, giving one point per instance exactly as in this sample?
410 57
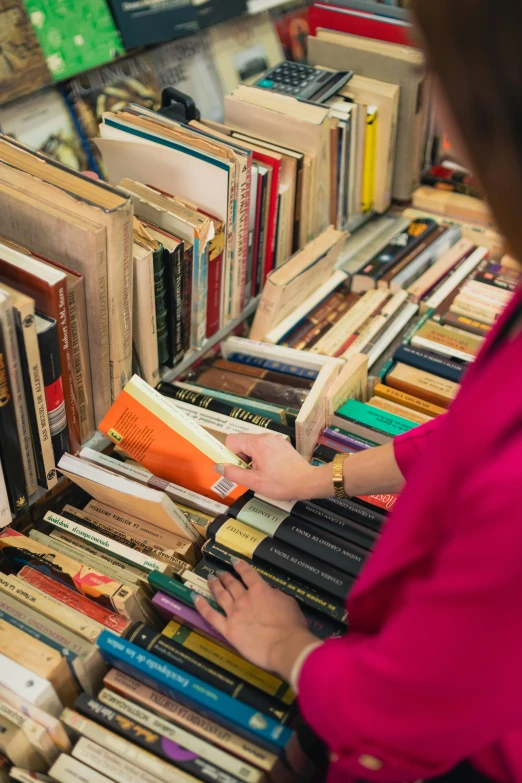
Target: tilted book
164 440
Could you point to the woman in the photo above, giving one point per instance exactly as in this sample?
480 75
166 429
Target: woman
429 677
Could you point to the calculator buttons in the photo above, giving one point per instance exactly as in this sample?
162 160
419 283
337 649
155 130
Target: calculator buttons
266 84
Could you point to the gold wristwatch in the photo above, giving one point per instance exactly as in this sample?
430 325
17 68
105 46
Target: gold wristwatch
338 477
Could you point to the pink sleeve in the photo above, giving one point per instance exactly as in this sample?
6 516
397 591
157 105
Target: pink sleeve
441 679
410 446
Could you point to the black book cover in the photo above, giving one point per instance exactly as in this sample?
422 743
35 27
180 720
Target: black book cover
186 660
160 294
294 531
335 522
188 267
354 510
263 195
320 625
173 270
211 12
176 392
145 22
279 555
404 243
421 359
40 467
47 332
149 740
305 595
10 450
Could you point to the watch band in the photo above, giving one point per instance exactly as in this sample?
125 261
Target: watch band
338 475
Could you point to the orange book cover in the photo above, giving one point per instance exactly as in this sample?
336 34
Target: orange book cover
158 435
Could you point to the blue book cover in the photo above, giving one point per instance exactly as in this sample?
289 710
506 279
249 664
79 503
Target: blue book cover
175 683
431 362
275 366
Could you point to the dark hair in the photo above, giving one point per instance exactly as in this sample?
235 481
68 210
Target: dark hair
475 49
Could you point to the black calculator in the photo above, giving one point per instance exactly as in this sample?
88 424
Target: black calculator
304 81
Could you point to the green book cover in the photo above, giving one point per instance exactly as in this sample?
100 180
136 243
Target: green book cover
75 35
377 419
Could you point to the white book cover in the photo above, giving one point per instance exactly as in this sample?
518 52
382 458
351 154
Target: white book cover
390 334
281 353
117 768
456 278
69 770
311 421
29 686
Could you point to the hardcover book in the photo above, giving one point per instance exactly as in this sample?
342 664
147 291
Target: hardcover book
22 64
150 22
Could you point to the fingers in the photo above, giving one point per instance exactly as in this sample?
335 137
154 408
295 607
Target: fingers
223 597
234 586
246 478
242 444
249 575
215 619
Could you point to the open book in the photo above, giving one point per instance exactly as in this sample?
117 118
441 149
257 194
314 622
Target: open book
161 437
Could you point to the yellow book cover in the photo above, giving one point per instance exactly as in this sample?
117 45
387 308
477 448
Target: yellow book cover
370 152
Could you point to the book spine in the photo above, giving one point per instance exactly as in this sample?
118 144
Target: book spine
209 403
328 520
258 547
6 515
113 766
229 661
470 325
384 502
176 683
72 547
306 595
20 550
273 365
63 323
177 301
29 686
160 295
80 350
207 762
187 295
438 347
348 440
38 737
199 294
170 608
10 451
173 588
119 268
69 770
451 283
296 381
144 323
76 667
355 511
182 716
295 532
71 599
216 253
35 390
159 745
429 362
408 400
378 421
53 385
370 150
18 394
51 724
218 678
143 562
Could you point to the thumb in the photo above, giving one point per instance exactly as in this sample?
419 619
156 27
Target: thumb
238 475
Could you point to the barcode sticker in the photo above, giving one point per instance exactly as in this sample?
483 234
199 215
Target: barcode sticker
223 487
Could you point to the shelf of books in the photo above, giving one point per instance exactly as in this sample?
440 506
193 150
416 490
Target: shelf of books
123 372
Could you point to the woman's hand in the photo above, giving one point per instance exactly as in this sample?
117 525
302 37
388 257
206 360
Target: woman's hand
278 471
264 625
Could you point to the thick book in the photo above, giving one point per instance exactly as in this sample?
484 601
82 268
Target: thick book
144 321
408 400
259 547
117 768
313 416
305 594
361 23
69 770
241 385
182 451
10 449
361 418
127 496
336 522
200 726
48 288
21 75
207 762
117 715
29 686
19 550
47 334
262 373
420 383
21 402
303 535
273 365
429 361
177 684
192 663
177 392
349 441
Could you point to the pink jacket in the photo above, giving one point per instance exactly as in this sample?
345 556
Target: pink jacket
431 671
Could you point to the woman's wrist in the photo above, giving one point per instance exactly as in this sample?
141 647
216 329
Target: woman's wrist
287 652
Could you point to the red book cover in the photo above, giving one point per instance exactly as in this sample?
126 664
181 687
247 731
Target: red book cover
385 502
65 595
366 25
49 292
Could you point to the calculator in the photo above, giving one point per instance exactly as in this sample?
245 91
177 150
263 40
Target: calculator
304 81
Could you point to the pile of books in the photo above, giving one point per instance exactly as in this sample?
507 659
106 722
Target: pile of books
107 671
